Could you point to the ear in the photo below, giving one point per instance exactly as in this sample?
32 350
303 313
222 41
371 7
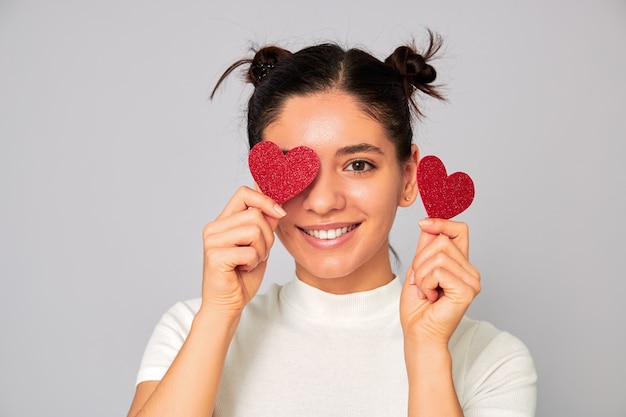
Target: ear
409 181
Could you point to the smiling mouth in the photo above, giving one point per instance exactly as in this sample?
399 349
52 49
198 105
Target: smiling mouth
330 233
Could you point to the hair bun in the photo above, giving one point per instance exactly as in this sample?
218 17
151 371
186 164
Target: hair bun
412 66
264 61
416 72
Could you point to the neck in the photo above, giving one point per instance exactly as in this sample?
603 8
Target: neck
373 274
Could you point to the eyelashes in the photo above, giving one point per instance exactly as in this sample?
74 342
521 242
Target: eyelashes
360 166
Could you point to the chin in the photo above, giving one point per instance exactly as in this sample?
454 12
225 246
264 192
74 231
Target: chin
327 269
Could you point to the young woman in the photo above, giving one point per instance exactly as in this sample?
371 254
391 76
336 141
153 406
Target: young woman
345 336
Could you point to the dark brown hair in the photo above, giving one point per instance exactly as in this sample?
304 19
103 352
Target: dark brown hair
386 90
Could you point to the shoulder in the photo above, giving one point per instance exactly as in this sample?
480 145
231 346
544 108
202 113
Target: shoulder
473 336
492 368
181 315
166 340
480 343
174 325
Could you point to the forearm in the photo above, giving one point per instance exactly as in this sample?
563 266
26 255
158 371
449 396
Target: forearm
431 388
189 388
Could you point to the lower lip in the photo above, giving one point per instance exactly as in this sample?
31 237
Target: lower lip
328 243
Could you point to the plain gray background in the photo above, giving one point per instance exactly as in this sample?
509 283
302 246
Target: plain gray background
112 159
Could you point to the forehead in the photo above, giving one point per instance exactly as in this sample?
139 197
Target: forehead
325 120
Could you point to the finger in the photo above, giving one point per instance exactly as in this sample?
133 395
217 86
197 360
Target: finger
242 235
245 198
226 260
441 263
457 232
443 282
221 232
410 280
442 245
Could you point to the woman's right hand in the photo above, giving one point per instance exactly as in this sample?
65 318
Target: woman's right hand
236 248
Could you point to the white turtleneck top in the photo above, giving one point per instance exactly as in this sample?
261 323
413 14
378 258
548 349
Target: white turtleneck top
299 351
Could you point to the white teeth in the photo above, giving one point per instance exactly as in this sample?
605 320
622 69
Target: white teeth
330 233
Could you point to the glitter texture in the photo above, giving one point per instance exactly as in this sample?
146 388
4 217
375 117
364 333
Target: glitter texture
282 176
443 196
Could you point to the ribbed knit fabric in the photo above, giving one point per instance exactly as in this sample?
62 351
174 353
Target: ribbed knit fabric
299 351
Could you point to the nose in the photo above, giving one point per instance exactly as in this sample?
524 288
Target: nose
325 193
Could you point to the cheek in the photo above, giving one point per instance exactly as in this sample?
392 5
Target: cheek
286 224
362 191
293 207
376 192
282 235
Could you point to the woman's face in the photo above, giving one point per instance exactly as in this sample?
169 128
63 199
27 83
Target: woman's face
337 229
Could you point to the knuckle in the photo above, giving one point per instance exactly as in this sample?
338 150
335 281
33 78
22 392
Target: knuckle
211 256
441 259
441 242
253 256
255 231
250 236
242 189
207 231
438 272
255 215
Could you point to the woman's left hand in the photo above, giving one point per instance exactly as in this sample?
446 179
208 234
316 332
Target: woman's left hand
440 284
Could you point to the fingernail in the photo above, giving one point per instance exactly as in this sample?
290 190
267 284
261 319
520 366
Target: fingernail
425 222
278 209
421 294
411 277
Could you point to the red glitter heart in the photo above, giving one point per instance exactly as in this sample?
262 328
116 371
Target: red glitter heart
282 176
443 196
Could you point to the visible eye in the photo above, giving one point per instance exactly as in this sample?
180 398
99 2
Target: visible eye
359 165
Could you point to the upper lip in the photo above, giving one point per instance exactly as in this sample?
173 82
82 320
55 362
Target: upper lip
329 226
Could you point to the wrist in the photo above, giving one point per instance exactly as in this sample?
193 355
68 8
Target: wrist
417 337
217 320
427 357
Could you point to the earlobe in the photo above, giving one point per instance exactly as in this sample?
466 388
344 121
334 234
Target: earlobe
410 190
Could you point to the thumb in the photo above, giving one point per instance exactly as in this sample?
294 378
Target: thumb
427 235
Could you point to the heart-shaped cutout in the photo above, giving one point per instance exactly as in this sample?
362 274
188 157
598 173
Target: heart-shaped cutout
443 196
279 175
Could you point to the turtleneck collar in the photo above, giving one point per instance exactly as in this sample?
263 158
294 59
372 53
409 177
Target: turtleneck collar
360 306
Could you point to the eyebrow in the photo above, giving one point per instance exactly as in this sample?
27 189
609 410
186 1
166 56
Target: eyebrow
361 147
